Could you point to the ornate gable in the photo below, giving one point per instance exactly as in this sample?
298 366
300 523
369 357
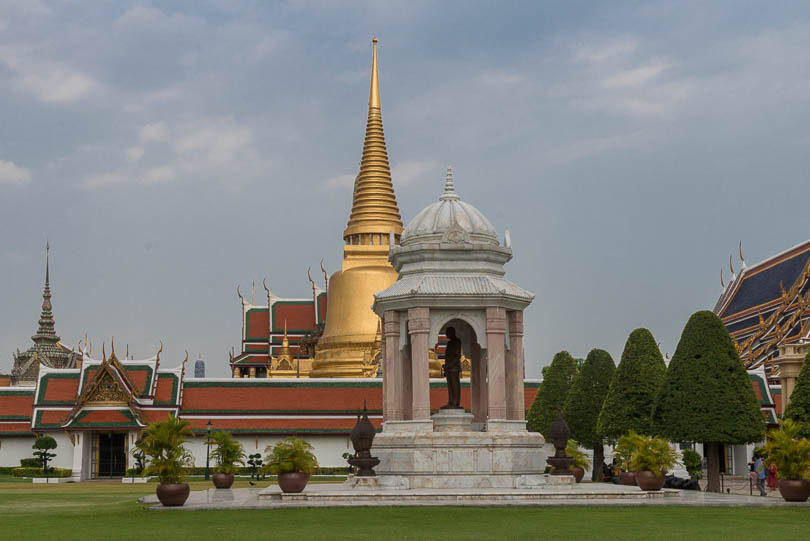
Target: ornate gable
105 390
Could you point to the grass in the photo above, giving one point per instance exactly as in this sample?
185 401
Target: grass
108 510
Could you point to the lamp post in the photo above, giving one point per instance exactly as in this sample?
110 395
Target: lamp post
207 450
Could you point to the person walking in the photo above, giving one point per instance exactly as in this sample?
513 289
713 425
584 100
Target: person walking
762 474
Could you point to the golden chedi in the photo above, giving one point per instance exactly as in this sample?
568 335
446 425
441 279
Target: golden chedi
349 346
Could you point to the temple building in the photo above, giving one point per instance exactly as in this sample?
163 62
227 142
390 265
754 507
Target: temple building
766 307
47 350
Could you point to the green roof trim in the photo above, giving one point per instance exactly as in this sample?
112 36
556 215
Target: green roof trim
16 393
272 412
175 383
261 383
39 424
77 422
21 418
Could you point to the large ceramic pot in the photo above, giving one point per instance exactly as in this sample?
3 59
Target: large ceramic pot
627 478
794 490
223 480
172 495
647 480
292 483
579 473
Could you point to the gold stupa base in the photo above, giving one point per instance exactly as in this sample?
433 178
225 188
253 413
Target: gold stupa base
346 360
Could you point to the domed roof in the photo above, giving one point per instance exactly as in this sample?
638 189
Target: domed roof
450 220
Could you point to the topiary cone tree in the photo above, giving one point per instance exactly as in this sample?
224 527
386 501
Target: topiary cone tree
584 403
707 396
557 379
633 389
798 408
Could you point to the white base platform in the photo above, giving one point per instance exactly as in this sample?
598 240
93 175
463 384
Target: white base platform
54 480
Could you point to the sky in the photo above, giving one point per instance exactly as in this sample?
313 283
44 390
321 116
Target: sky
172 150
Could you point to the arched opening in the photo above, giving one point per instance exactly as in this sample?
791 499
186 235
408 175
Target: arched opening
471 353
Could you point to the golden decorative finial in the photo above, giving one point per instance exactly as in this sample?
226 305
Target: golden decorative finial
374 205
103 352
730 266
112 347
742 259
722 282
325 277
267 290
374 92
160 350
239 294
253 293
47 262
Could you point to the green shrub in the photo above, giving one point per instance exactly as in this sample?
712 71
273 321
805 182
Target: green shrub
693 463
37 472
623 452
6 470
291 454
30 463
228 453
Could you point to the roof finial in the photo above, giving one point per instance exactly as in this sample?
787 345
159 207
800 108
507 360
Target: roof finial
374 92
731 268
742 259
449 186
722 282
47 263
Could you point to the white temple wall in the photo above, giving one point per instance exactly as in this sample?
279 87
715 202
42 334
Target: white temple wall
14 448
329 449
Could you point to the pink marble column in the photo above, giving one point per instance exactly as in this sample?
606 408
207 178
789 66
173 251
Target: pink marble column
418 329
392 377
496 378
515 403
478 384
406 385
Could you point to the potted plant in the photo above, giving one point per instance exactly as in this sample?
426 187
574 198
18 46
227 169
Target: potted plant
651 459
581 462
623 453
168 458
292 461
791 454
228 454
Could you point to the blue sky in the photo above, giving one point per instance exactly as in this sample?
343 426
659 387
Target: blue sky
172 150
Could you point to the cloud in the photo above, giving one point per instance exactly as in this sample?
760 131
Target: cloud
134 154
159 174
156 131
633 77
13 174
48 81
608 51
216 144
103 180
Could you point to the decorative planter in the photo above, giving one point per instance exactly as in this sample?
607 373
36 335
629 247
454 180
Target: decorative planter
627 478
173 495
579 473
292 483
647 480
223 480
794 490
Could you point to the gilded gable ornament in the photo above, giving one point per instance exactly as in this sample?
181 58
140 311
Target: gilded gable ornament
107 390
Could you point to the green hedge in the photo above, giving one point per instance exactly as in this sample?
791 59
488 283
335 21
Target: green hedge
37 472
6 470
30 463
246 471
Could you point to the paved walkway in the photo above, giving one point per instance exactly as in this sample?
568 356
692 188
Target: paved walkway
585 494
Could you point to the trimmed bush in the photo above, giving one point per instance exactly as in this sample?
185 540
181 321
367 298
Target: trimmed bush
707 395
37 472
584 403
6 470
633 389
557 379
798 409
30 463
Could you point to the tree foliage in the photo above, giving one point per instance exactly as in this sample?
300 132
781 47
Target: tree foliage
633 389
292 454
42 447
584 401
789 451
557 379
228 453
707 395
798 408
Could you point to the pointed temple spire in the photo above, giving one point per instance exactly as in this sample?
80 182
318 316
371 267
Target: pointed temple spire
449 186
46 332
374 205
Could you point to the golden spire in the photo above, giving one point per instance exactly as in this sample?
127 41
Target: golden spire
374 205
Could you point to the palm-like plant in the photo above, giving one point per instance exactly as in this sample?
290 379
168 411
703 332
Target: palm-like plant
790 452
163 443
290 455
228 453
580 457
623 452
653 454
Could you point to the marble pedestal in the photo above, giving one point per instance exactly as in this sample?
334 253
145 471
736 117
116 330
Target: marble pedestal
448 454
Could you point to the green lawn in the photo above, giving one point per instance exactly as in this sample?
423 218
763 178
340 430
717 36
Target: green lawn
109 511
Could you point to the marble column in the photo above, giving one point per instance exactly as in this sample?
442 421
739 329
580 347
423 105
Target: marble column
392 380
515 403
406 385
496 377
478 384
418 329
